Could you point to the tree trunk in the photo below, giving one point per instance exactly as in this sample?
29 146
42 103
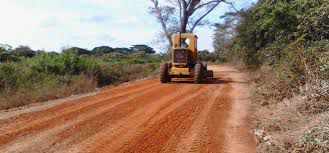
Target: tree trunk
187 9
161 20
184 17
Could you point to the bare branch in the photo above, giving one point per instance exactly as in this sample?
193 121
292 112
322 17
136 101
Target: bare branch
205 4
180 12
184 3
217 2
232 5
191 7
189 2
168 17
204 15
161 20
184 18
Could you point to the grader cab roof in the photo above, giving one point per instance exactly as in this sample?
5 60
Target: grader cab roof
185 40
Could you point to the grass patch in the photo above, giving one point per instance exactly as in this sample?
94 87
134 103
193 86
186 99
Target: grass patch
48 76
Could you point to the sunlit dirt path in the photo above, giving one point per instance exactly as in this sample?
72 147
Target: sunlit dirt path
145 116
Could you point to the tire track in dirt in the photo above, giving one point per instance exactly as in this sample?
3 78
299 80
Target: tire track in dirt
112 127
238 127
74 122
142 117
173 123
51 121
189 141
121 138
74 105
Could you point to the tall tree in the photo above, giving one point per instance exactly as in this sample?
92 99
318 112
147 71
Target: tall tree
102 50
226 31
189 13
5 47
77 50
142 48
23 51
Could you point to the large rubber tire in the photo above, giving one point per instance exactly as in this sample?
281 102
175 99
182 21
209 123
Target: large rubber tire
164 76
169 65
205 65
198 73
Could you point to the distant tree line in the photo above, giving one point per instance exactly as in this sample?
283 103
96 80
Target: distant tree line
10 54
39 75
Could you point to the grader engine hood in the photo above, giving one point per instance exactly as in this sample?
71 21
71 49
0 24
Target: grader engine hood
180 56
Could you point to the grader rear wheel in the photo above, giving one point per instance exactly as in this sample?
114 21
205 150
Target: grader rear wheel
164 76
205 66
198 73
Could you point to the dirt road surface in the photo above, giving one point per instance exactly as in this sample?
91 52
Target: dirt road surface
144 116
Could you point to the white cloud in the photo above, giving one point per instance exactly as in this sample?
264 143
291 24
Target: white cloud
52 28
120 4
108 3
23 25
128 19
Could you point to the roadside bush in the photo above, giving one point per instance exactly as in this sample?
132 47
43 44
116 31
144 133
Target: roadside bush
50 76
51 87
288 44
6 57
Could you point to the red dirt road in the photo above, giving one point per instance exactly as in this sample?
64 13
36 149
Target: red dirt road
145 116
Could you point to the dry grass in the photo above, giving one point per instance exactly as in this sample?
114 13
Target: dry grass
289 121
72 85
21 97
136 71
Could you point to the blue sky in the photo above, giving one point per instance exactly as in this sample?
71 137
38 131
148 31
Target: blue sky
51 25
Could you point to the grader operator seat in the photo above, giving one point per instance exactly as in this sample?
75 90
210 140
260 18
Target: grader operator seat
184 60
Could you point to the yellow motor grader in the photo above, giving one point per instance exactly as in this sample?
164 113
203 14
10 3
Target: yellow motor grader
184 60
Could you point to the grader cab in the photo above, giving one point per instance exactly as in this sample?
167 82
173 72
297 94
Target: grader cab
184 61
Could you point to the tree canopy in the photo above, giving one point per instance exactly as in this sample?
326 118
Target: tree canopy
23 51
142 48
260 32
182 15
102 50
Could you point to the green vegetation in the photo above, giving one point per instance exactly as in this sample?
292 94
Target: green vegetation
287 43
28 76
